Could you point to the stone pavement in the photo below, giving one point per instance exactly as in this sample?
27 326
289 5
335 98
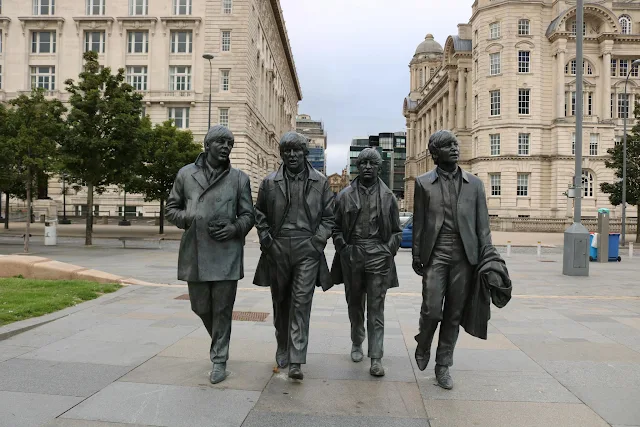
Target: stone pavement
565 351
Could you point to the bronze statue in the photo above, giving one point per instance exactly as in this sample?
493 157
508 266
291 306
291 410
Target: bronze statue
294 219
450 229
367 236
212 202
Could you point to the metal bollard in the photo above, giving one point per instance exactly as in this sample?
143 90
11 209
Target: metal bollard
630 249
508 248
539 250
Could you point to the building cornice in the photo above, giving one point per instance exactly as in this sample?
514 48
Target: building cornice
94 22
282 30
180 22
41 21
4 25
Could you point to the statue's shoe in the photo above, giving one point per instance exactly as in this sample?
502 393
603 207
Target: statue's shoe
219 373
295 372
377 370
282 358
422 358
444 378
356 353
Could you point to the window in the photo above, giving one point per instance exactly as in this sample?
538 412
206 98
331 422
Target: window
523 185
623 67
617 140
182 7
573 103
494 30
181 41
0 34
494 61
180 117
0 76
494 97
223 117
524 61
634 71
475 69
573 143
224 80
476 107
524 100
623 105
587 183
523 144
44 7
95 7
589 103
138 7
570 68
625 24
614 63
593 144
43 77
137 77
613 105
574 28
43 42
94 41
180 77
494 144
227 6
524 27
138 42
226 41
421 77
494 180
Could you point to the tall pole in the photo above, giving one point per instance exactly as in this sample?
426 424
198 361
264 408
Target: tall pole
209 57
623 233
64 200
577 211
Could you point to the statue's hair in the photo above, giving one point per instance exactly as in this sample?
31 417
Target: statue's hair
216 132
294 140
370 154
438 140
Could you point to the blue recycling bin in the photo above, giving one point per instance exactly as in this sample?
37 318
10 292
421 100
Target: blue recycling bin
614 248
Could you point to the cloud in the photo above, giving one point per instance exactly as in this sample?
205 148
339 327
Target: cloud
352 59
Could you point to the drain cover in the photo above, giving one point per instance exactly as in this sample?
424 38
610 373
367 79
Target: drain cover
250 316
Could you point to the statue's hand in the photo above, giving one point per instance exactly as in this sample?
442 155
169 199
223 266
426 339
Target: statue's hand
418 267
223 234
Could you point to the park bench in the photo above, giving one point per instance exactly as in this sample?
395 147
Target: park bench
143 239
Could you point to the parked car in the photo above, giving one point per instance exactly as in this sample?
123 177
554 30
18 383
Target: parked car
407 234
404 217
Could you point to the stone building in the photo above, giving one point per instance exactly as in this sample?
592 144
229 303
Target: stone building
160 44
314 130
338 181
505 84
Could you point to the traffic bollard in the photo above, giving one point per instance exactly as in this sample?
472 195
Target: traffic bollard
630 249
539 250
509 249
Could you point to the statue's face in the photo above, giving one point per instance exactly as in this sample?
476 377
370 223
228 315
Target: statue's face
220 149
449 153
368 169
293 157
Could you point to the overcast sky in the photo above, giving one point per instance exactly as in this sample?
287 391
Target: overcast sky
352 59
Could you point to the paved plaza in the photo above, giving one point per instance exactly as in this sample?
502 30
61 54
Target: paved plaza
565 352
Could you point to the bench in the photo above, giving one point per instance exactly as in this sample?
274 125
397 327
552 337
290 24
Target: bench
144 239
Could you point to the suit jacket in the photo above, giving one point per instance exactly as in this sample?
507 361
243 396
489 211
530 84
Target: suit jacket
347 210
192 204
428 216
271 210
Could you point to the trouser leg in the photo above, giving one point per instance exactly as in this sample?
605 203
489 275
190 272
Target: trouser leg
305 273
433 289
355 296
200 298
376 294
223 298
281 308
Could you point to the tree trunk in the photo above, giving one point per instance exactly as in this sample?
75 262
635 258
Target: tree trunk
89 229
6 212
28 222
161 216
638 224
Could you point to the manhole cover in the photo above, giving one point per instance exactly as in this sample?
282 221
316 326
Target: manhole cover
250 316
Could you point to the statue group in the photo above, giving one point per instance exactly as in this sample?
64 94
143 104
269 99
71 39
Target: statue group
296 214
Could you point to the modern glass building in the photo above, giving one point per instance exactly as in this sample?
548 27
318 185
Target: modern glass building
314 130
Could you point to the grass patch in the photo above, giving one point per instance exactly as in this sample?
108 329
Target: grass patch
22 299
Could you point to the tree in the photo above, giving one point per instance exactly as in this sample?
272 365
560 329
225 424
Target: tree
633 170
103 141
34 129
166 150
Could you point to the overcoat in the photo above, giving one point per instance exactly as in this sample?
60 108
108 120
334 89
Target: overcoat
271 210
193 204
347 210
428 216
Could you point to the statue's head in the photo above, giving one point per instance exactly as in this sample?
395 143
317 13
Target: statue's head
368 162
294 151
218 144
444 147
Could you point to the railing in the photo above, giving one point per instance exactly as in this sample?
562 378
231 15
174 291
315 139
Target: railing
555 225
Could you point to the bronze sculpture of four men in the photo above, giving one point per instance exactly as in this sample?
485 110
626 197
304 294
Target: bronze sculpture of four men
296 214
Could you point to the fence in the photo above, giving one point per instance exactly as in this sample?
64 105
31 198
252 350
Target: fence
556 225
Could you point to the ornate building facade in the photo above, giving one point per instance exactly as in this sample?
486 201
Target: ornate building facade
160 43
505 84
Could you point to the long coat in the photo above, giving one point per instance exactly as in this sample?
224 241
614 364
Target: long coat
347 210
192 204
272 208
428 216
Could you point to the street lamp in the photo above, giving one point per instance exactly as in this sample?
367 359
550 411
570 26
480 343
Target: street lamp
624 157
209 57
64 219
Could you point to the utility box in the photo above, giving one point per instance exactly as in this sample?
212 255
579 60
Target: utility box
575 260
603 234
50 233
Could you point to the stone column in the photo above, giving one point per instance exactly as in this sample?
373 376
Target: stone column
452 102
438 114
460 101
560 96
606 85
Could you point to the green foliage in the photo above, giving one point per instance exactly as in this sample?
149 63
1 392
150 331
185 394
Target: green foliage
25 298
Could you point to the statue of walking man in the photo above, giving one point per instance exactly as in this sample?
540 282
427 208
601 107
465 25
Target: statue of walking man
294 218
450 228
212 202
367 237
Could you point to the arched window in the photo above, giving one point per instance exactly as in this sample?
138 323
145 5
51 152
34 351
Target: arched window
587 183
570 68
625 24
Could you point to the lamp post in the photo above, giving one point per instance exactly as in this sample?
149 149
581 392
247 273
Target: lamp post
64 219
623 233
124 221
209 57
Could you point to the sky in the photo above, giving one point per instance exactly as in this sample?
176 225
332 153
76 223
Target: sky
352 59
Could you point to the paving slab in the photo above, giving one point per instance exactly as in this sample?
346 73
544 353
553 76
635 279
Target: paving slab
341 367
579 351
493 360
274 419
166 405
142 335
32 409
239 349
62 422
8 351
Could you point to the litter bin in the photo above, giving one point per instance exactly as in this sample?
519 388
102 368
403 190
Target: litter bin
50 233
614 248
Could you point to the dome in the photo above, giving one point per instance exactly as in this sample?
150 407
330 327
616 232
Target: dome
429 45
